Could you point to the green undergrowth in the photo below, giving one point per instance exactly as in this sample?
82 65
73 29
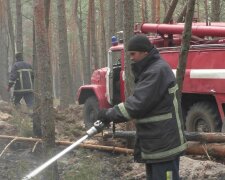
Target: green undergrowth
22 120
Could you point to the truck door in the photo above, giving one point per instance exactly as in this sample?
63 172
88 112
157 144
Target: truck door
109 78
113 77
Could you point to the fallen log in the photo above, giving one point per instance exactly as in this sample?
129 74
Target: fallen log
205 137
190 136
194 148
66 143
212 149
99 147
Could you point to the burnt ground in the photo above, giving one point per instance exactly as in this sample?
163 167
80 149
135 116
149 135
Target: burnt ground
81 164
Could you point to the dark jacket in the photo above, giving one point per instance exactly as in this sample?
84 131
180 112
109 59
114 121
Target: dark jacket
156 110
22 76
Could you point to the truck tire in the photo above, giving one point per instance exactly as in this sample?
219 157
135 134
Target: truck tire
202 117
90 111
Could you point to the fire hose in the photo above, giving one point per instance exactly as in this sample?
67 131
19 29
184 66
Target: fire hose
98 127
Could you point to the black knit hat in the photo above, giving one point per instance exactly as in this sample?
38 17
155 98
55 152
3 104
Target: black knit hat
19 56
140 43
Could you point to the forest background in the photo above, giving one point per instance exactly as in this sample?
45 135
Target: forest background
89 26
66 40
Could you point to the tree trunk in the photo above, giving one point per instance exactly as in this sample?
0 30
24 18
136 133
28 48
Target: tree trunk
66 89
75 53
153 11
182 14
11 31
144 11
206 12
103 50
37 103
46 100
4 46
84 60
215 12
88 49
19 27
157 7
111 20
76 64
128 27
52 29
119 17
169 14
165 4
185 45
93 45
128 19
47 11
53 39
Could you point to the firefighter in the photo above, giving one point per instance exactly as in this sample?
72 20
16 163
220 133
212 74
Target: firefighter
155 108
21 76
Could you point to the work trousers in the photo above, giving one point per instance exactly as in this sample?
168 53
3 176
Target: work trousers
168 170
28 97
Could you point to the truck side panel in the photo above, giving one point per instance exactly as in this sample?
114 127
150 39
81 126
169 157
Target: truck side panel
205 73
205 70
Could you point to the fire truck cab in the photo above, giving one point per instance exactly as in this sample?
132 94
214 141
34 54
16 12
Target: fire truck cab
203 93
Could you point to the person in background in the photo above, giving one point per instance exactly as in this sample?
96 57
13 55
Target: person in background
156 110
21 77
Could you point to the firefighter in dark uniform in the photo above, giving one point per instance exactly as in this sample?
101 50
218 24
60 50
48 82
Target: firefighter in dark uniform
21 77
156 110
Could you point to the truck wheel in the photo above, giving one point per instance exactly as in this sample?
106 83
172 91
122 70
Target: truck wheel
90 111
202 117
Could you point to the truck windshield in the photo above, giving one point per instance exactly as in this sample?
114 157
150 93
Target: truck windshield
116 58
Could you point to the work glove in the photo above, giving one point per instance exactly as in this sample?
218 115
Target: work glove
103 117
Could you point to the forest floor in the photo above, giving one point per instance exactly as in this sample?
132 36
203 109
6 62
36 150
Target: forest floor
17 160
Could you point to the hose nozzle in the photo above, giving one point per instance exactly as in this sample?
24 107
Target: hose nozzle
98 127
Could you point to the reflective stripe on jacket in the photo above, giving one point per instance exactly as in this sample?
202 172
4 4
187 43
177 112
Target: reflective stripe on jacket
156 110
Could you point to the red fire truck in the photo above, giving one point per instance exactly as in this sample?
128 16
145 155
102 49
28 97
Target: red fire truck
203 93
